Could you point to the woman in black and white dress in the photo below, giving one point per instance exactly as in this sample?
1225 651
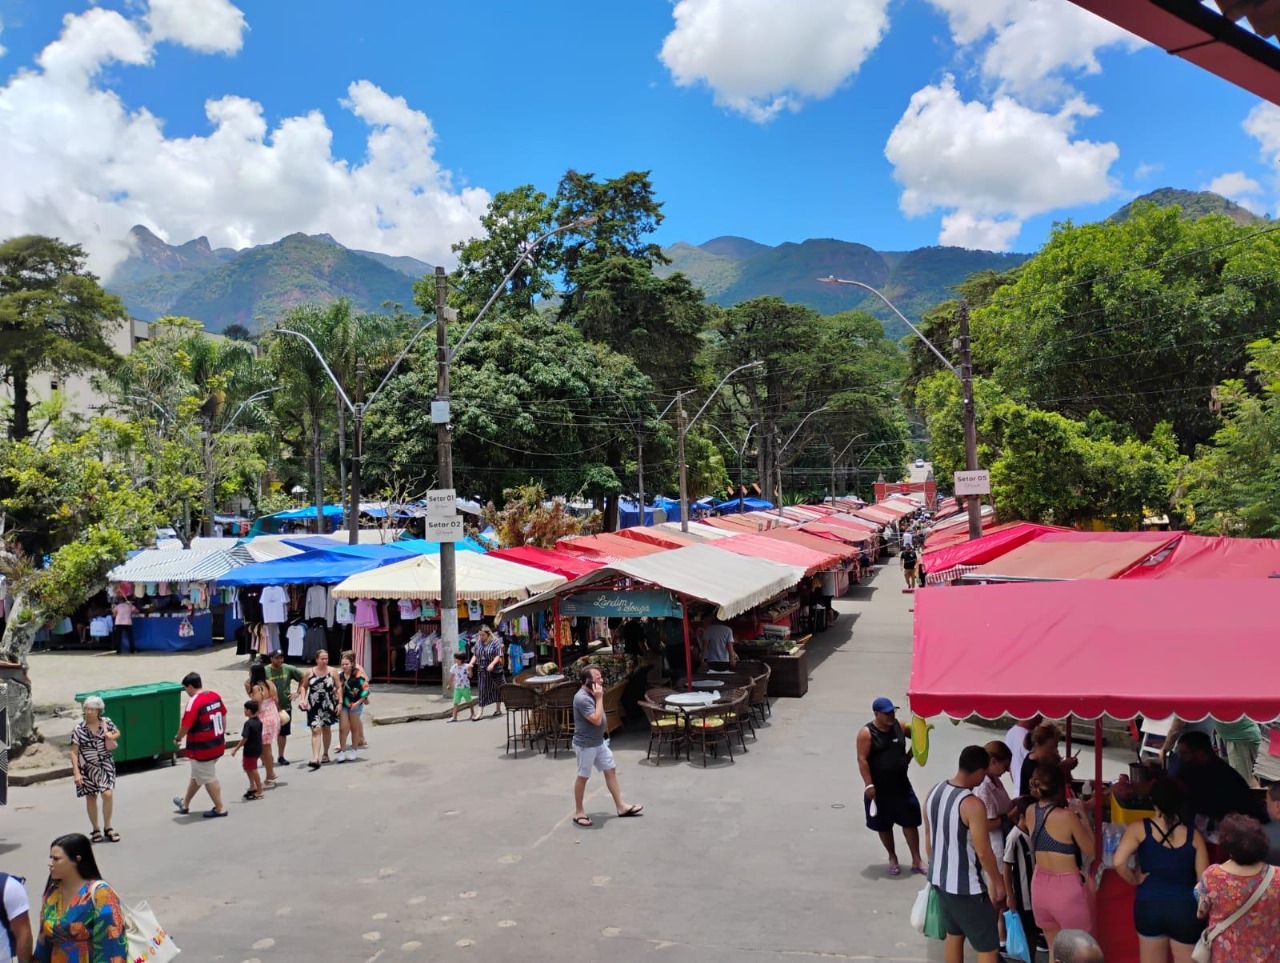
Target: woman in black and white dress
93 742
320 696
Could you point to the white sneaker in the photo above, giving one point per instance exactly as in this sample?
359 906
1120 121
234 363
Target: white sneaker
351 756
341 756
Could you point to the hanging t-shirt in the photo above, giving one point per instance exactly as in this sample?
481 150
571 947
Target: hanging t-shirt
296 635
318 605
275 604
475 611
430 610
342 611
367 614
409 609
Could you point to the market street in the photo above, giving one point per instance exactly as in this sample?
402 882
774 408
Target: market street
438 846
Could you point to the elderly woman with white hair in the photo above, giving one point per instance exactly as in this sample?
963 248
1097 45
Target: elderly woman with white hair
93 742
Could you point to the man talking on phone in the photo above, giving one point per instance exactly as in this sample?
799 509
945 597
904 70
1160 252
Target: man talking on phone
590 748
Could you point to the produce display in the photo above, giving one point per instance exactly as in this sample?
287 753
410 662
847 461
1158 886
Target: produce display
614 668
773 646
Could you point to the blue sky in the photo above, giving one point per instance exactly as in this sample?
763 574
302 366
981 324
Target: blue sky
986 120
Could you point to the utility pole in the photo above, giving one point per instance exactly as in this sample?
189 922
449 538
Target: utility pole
970 422
353 513
684 473
640 473
206 444
444 446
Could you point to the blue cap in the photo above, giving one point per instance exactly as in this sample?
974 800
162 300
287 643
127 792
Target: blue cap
883 705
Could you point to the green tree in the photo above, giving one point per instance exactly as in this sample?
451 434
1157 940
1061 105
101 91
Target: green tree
531 399
1046 467
512 219
1233 485
54 316
529 517
71 512
1137 320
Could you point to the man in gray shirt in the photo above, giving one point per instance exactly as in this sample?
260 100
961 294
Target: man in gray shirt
1272 828
590 748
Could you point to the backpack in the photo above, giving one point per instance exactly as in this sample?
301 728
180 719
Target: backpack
4 910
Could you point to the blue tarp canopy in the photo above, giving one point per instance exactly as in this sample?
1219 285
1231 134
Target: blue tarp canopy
392 550
296 514
322 567
467 544
750 504
629 513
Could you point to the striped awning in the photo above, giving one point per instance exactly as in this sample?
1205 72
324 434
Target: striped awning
190 565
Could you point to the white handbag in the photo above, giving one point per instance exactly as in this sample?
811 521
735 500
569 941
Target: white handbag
1203 951
919 909
149 942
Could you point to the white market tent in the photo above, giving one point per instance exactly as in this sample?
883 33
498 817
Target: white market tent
191 565
698 529
478 577
733 583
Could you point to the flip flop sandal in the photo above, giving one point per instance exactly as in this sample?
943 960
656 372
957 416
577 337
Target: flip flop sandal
96 836
582 821
214 814
632 811
313 766
895 869
112 835
177 802
324 760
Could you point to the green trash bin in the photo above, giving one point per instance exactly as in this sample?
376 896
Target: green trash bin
147 716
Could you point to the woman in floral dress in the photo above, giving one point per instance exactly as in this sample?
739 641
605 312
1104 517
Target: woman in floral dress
490 672
81 920
262 689
1225 887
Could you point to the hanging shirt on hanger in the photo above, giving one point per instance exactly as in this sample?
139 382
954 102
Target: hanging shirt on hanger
275 604
296 635
409 609
342 611
318 605
475 611
367 614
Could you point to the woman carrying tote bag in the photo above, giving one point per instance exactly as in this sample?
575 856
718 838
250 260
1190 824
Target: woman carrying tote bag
1240 899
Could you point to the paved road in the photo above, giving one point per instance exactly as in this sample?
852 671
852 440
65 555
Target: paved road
440 847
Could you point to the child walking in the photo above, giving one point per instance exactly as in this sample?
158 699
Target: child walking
251 743
461 673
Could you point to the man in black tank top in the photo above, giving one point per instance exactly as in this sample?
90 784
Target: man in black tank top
883 757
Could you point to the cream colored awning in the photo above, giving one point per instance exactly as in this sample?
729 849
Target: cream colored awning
478 577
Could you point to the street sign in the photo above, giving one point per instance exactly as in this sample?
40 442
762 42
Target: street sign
973 482
442 503
443 529
439 412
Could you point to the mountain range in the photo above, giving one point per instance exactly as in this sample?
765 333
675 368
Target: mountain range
256 286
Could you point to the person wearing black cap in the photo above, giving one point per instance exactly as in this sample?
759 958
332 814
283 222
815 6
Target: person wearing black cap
283 677
884 753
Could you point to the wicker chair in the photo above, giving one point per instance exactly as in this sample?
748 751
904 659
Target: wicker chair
658 696
707 727
760 694
666 728
736 707
557 707
752 667
522 714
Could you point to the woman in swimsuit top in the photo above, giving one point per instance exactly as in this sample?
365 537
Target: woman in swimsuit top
1059 836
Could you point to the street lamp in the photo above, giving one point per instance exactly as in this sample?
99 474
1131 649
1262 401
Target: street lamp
441 416
964 373
777 458
358 407
836 458
640 458
684 430
742 456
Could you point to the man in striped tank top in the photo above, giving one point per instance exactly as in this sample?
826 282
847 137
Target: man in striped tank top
959 846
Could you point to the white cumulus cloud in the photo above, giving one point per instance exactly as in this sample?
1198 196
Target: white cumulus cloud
210 26
760 57
81 164
1236 185
992 166
1034 44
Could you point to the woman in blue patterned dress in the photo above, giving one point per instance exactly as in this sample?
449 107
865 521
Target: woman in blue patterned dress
81 920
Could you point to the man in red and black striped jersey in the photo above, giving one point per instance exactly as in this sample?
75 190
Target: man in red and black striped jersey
204 725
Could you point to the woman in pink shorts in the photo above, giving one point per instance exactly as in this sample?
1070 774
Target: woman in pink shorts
1059 837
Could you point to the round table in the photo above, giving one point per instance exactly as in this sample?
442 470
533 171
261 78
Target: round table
692 699
708 683
543 679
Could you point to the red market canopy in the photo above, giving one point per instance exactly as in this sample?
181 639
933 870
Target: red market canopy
1120 648
897 508
774 550
1195 556
845 533
1073 555
877 514
549 560
663 539
606 547
947 551
838 550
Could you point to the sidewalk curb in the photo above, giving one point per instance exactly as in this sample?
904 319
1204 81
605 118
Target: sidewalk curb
36 776
415 717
